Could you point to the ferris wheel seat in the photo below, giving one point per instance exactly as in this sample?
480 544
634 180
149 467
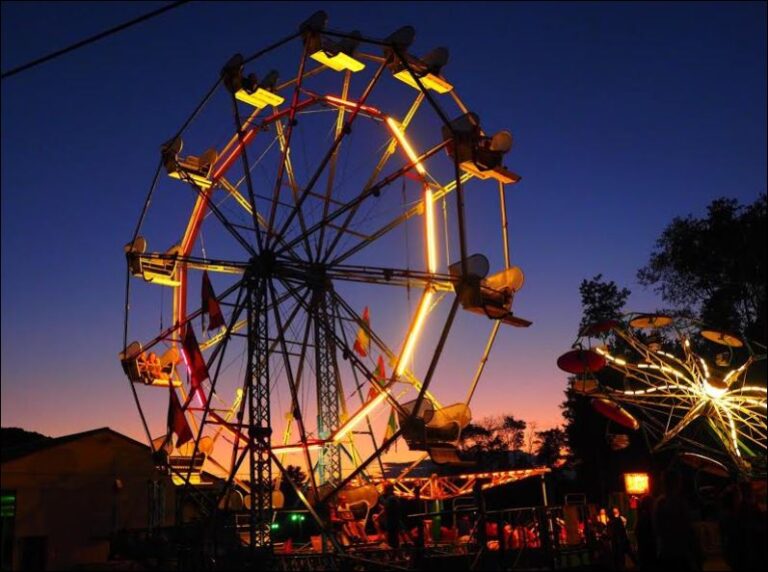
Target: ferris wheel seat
431 81
427 69
148 368
433 427
337 56
492 296
500 173
180 465
448 456
338 62
249 89
152 267
190 458
198 169
360 494
478 154
259 97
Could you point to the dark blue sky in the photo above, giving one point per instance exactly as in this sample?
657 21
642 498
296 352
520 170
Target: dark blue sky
624 115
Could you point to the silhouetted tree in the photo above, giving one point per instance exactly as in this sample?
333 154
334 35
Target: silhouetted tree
601 300
551 448
493 439
299 477
584 429
513 431
715 266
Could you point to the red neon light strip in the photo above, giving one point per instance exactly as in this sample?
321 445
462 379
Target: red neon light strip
352 105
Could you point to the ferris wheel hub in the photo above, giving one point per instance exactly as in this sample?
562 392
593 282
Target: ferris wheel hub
263 264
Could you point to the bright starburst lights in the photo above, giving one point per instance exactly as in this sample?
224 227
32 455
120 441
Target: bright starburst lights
680 393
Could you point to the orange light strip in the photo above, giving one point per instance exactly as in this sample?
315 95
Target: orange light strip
357 417
429 213
413 335
187 243
394 126
352 105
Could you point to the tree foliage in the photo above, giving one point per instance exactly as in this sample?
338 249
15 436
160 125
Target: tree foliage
299 477
585 431
552 443
715 266
601 300
503 433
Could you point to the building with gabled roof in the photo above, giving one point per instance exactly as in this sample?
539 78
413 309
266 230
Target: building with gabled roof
64 499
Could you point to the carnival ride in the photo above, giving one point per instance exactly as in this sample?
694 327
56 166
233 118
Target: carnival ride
687 386
308 209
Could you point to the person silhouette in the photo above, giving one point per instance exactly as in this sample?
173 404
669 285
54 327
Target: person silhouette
617 535
645 535
678 546
391 515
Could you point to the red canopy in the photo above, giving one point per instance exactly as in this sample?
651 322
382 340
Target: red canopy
615 413
581 361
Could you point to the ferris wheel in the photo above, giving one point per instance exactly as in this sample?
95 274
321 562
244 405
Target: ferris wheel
307 258
687 386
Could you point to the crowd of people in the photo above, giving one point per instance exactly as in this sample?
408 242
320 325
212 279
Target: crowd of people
665 536
662 536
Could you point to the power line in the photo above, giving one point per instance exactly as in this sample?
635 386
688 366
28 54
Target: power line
92 39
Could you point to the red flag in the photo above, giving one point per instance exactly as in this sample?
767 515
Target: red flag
177 421
193 358
363 341
380 373
211 305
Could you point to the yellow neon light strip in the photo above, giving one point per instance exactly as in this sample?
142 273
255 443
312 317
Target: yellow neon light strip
287 449
429 211
357 417
734 437
400 136
413 335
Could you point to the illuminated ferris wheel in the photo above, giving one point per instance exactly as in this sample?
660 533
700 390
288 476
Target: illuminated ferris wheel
685 385
312 262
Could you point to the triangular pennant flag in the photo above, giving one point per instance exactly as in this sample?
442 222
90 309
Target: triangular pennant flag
391 427
363 340
379 376
177 421
193 358
380 373
210 305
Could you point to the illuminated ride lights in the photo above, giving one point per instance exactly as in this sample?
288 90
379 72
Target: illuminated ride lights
697 396
292 223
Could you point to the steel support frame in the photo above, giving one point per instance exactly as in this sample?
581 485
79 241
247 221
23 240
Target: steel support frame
259 422
326 370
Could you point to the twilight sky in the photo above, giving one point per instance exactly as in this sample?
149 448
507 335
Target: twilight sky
624 116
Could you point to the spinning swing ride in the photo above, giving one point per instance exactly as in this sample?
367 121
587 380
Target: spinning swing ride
685 385
277 223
